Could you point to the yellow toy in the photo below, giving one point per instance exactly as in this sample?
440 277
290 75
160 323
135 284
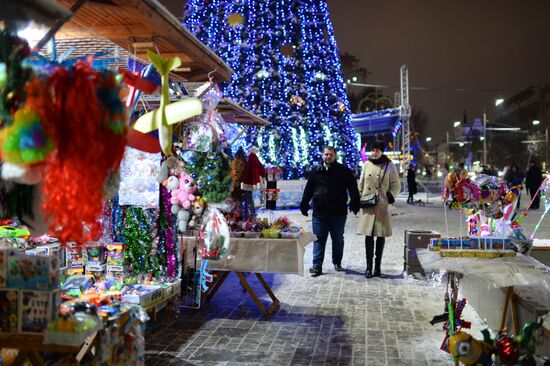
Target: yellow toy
469 350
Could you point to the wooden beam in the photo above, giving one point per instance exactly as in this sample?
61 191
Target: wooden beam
167 25
73 30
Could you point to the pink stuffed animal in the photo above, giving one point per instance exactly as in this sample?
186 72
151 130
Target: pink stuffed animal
183 195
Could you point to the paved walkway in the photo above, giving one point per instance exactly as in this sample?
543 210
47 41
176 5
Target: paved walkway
335 319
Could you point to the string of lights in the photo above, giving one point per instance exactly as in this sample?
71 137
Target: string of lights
287 70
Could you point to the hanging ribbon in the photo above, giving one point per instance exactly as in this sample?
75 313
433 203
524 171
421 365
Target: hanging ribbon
169 233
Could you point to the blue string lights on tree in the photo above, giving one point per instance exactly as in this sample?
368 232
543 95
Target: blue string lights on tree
287 70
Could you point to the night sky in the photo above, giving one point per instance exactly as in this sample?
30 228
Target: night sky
499 45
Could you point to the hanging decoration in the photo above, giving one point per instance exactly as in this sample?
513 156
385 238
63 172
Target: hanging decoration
167 226
167 114
212 175
297 100
214 236
254 173
86 152
235 19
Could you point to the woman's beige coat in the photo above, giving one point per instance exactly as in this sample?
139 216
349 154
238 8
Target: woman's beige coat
376 221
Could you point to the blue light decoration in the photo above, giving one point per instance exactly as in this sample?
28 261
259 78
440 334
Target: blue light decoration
287 70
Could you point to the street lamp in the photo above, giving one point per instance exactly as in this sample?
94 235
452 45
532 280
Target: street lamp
499 101
456 124
536 122
428 139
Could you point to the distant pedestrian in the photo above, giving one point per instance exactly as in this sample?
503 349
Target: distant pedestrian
532 182
458 169
411 184
514 177
444 172
328 187
379 177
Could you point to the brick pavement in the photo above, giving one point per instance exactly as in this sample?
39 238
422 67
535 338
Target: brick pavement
335 319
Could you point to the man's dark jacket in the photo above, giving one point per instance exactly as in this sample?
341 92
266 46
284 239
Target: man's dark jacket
328 188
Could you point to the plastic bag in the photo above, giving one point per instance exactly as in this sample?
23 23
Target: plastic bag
214 236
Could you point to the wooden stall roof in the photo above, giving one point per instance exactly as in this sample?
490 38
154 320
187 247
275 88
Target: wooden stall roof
137 25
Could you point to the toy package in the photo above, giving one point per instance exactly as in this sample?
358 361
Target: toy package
36 310
9 304
74 255
115 254
5 253
33 272
75 270
95 254
55 250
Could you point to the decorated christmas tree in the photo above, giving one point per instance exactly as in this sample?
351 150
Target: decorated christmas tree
287 69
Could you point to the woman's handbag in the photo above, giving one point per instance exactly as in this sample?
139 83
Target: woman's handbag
370 200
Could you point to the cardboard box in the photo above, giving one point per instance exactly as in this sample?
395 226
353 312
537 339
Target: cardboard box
74 255
36 310
9 305
96 270
33 272
115 253
36 251
146 295
95 254
415 239
55 250
5 253
75 271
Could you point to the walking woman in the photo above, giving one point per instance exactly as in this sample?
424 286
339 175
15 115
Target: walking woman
411 184
379 177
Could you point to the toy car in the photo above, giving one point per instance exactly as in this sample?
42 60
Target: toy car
11 232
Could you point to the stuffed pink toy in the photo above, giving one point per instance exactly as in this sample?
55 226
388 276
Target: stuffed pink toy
183 195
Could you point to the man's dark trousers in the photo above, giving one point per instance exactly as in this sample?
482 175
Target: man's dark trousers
322 226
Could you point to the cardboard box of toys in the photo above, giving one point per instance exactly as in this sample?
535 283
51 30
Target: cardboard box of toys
143 295
36 251
33 272
97 271
55 250
5 253
9 305
36 310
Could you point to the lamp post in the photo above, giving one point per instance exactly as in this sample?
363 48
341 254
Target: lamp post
484 139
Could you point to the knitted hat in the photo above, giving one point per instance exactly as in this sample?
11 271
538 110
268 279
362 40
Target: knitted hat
380 145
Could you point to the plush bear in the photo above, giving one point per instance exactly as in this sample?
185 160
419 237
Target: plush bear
171 184
170 166
183 195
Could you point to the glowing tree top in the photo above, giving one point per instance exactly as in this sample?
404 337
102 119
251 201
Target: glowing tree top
287 69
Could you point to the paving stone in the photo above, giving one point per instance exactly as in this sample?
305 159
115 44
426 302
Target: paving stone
334 319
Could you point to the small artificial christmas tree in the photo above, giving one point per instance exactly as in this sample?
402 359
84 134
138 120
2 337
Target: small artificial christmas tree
212 174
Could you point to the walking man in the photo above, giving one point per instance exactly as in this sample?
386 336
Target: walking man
328 187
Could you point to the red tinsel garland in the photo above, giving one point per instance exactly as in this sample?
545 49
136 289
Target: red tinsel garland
87 148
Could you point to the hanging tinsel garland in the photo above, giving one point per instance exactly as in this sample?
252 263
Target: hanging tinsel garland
167 225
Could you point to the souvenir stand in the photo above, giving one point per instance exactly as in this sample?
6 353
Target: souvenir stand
100 326
251 246
492 267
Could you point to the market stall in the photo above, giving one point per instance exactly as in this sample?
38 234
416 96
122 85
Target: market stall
491 266
77 293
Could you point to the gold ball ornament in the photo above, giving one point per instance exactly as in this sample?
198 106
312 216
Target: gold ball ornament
287 50
297 100
341 107
235 19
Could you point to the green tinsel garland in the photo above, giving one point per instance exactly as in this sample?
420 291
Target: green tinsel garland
138 242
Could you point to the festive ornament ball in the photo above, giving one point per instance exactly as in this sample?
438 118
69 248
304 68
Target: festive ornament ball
288 50
341 106
210 166
297 100
209 178
194 175
235 19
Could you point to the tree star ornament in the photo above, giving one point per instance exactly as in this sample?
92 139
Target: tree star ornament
167 114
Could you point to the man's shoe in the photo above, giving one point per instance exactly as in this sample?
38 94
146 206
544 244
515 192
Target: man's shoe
368 274
315 272
338 268
377 274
